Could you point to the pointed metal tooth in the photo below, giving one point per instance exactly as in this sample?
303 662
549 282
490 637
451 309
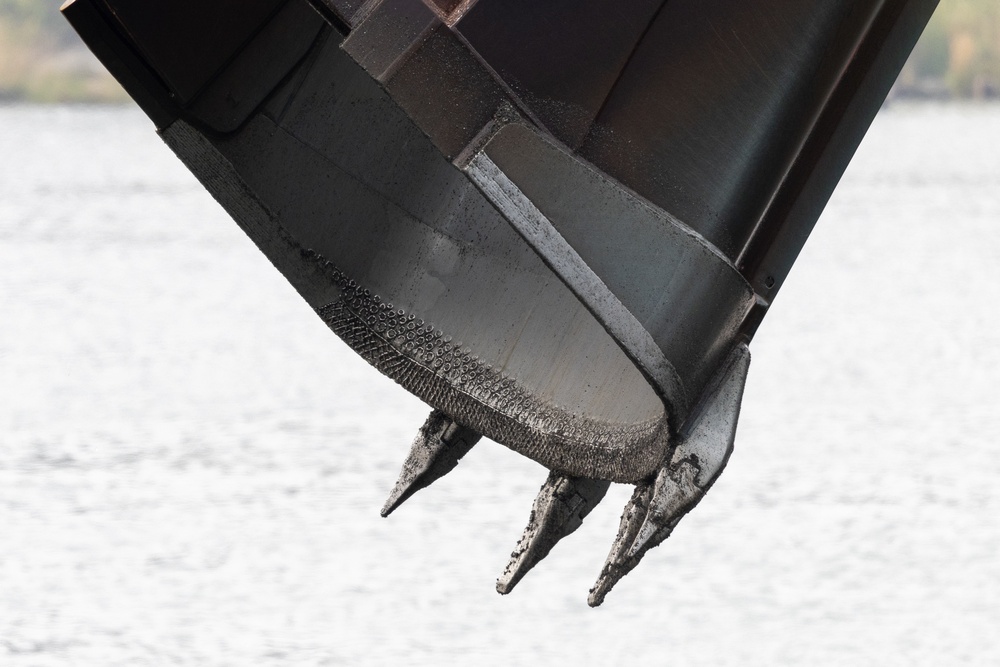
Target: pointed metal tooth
559 509
649 518
701 454
435 452
617 564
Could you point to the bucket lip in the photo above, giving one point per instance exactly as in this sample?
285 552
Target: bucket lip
556 438
497 406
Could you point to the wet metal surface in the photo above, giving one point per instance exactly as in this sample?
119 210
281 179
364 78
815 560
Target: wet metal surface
424 183
559 509
437 449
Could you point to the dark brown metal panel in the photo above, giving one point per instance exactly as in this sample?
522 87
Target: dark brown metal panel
445 6
383 40
716 101
208 32
560 56
446 91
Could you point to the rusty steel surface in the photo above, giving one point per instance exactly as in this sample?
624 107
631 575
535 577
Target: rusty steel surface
559 224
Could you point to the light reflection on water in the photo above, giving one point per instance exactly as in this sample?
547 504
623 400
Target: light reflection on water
191 465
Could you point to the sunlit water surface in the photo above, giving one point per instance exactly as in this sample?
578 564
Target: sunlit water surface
191 464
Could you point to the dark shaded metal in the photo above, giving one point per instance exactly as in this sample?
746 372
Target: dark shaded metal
560 508
560 57
559 224
211 32
739 118
437 449
441 293
226 69
102 36
341 13
736 87
447 91
387 35
252 74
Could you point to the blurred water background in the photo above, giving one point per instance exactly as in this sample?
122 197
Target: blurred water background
191 464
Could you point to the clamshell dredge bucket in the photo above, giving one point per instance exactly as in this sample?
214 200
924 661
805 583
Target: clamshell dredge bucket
557 223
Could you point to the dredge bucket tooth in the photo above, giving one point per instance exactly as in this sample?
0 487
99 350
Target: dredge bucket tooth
435 452
559 509
674 493
704 445
649 518
617 564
